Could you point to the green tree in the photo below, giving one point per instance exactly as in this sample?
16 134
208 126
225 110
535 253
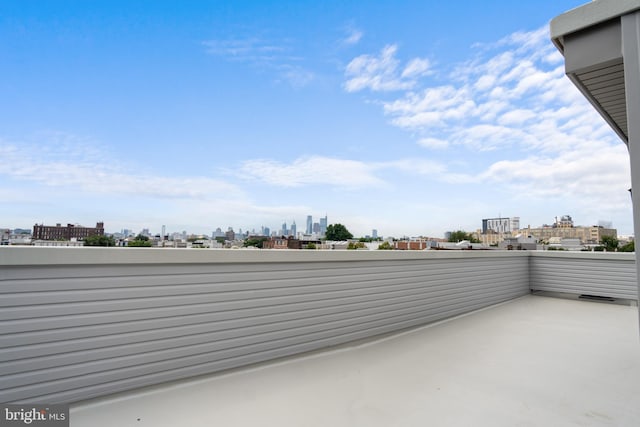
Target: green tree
192 239
460 235
610 243
311 246
98 240
337 232
356 245
385 246
140 241
628 247
255 241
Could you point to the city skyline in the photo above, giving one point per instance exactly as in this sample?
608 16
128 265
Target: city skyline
411 118
499 225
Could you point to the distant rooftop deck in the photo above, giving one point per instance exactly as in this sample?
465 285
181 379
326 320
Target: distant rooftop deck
533 361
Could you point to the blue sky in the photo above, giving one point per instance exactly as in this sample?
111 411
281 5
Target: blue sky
410 117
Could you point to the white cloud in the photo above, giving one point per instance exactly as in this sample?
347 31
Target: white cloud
528 130
516 117
250 49
596 177
340 173
380 73
513 94
315 170
276 56
416 67
353 37
412 166
296 76
434 143
78 168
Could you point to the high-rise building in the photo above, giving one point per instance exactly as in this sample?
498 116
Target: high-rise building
500 225
284 230
374 233
323 225
230 234
309 224
293 229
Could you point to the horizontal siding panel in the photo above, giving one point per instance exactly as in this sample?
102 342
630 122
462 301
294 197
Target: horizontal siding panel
84 375
591 276
215 343
117 344
289 302
75 332
100 389
136 295
109 334
71 341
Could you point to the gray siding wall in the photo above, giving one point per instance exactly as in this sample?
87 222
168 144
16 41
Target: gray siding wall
79 323
601 274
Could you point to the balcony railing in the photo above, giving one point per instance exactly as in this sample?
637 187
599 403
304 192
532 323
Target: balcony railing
78 323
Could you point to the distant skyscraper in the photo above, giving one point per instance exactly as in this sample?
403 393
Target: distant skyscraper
284 229
230 234
309 224
293 229
374 233
323 225
316 227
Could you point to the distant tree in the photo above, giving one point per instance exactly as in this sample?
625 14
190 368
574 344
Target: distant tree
311 246
356 245
460 235
385 246
629 247
610 243
255 241
337 232
99 241
369 239
195 238
220 239
140 241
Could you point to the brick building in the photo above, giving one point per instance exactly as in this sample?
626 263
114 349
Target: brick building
71 231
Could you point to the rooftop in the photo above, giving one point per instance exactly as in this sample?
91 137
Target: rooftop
531 361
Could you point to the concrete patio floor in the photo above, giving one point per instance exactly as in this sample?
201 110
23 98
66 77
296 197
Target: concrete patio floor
533 361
